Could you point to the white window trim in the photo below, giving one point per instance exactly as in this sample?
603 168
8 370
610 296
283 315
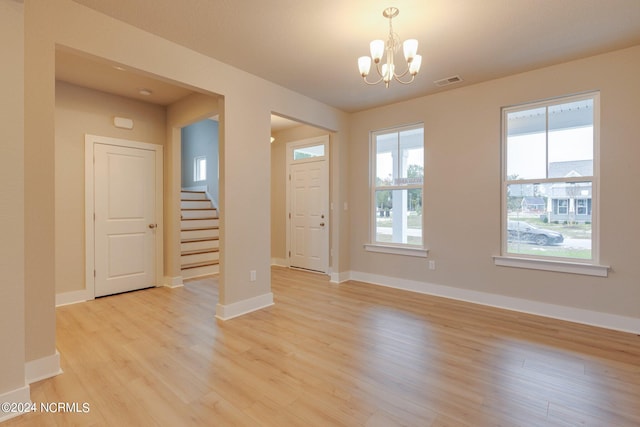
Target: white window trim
419 252
395 248
552 265
591 268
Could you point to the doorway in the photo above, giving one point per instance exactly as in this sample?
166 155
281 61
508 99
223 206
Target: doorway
123 214
308 204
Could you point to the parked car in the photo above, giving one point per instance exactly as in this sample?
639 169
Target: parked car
525 232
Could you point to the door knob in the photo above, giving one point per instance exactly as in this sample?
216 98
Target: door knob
322 224
152 226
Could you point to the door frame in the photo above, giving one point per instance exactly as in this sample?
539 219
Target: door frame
89 210
291 146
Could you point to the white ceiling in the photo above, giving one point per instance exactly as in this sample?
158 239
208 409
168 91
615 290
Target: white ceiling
312 47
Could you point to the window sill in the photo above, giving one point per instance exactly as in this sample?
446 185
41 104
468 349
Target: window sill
397 250
548 265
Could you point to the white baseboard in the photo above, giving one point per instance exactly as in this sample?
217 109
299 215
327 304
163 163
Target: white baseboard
43 368
229 311
19 395
72 297
340 277
279 262
214 203
173 282
571 314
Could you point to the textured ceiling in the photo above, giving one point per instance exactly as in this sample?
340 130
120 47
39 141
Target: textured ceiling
312 47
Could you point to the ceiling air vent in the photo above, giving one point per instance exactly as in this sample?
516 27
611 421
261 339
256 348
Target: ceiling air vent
448 81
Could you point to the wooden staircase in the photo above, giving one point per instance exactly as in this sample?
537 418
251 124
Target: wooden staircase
199 235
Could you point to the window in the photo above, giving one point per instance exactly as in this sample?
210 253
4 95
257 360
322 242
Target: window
550 154
398 163
200 168
583 206
561 206
308 152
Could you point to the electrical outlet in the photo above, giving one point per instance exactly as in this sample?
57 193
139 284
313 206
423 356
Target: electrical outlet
432 265
252 275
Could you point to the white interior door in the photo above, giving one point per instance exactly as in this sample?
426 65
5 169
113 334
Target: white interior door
309 216
125 226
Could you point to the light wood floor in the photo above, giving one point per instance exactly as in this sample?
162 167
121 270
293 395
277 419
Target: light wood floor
327 355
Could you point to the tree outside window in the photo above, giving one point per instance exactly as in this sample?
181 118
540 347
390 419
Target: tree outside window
398 162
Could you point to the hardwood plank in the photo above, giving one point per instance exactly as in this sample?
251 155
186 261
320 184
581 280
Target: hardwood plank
352 354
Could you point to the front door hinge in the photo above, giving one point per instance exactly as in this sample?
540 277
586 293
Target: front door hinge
289 254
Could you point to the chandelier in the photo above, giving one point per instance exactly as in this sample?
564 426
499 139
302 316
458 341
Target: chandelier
387 70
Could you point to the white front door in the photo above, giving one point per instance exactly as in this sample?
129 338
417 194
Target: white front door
308 205
125 225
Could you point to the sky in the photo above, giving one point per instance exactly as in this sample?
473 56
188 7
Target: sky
564 145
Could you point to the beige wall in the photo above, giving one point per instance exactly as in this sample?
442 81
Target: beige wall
462 186
12 323
81 111
39 120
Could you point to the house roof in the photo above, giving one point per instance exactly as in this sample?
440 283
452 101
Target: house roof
571 169
534 200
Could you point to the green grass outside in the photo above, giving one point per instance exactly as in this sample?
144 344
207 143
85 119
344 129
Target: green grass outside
411 240
413 221
551 251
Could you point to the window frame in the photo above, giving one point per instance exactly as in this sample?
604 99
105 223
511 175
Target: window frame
561 204
550 263
197 168
392 247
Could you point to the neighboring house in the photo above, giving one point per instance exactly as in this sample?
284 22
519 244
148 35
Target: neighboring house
570 201
533 205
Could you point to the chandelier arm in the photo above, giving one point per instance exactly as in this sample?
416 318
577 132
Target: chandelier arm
371 83
396 75
379 71
396 78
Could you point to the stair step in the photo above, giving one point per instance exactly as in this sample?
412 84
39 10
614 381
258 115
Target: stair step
208 213
199 245
211 227
195 204
200 251
191 223
199 239
208 256
193 195
205 270
199 264
199 233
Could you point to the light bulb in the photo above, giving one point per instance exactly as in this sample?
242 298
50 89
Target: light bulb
414 66
387 72
410 48
364 64
377 49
